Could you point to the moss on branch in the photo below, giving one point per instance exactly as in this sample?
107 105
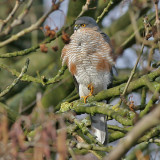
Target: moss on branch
151 102
134 85
116 128
150 134
123 116
41 80
93 147
139 147
24 69
106 9
92 108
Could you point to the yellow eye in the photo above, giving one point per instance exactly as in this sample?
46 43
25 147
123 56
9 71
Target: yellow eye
83 25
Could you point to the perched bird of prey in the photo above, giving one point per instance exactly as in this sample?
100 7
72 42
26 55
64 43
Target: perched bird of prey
89 57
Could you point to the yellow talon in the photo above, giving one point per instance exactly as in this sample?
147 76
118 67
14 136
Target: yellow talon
91 88
85 98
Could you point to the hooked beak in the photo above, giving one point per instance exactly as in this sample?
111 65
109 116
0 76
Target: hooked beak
76 27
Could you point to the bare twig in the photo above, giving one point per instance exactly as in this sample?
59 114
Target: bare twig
18 20
24 69
84 8
31 28
130 78
133 70
138 36
104 11
150 58
138 29
149 121
10 16
143 96
157 22
156 7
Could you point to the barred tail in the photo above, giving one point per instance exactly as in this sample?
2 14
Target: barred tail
99 127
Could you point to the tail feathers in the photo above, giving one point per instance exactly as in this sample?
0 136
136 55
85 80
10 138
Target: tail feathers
99 127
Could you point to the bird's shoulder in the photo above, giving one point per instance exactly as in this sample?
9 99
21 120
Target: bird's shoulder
105 37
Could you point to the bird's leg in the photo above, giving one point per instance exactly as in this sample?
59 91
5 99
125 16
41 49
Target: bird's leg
85 98
91 88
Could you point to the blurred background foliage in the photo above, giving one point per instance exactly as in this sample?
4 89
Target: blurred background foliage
45 61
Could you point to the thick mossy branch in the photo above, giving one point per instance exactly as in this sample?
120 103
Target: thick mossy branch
116 128
124 117
82 125
71 97
115 135
134 85
41 80
92 108
146 123
93 147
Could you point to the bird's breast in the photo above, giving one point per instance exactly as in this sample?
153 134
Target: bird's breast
85 41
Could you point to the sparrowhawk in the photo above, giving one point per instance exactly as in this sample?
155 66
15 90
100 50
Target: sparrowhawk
89 57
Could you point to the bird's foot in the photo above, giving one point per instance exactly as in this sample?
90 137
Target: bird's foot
91 88
85 98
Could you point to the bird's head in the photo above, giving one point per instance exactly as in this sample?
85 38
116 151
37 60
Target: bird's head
85 22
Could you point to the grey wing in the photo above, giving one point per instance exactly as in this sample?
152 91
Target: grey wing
107 39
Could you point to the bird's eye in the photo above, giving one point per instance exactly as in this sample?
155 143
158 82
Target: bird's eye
83 25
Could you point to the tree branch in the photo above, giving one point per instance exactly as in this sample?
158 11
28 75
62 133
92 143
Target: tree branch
24 69
104 11
10 16
116 91
41 80
31 28
149 121
95 107
18 20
